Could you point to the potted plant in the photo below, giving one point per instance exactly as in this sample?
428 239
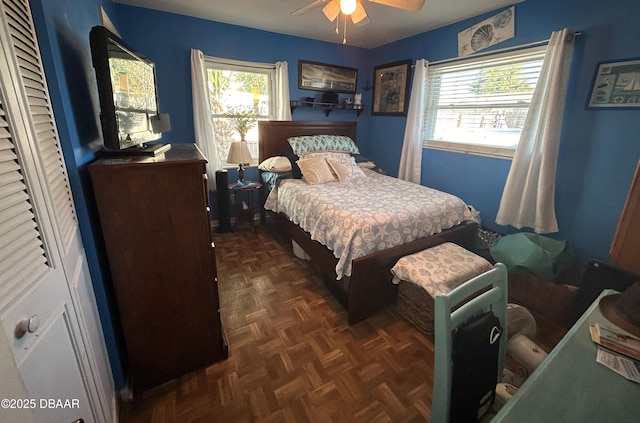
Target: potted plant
243 121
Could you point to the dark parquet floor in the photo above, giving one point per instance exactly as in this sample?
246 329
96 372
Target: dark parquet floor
292 355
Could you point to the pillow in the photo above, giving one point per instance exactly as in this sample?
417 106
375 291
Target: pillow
339 155
295 169
345 171
308 143
276 164
316 170
363 162
272 178
359 158
367 165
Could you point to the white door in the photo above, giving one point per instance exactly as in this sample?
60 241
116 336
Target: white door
47 305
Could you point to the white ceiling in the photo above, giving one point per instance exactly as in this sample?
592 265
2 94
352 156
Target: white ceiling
387 24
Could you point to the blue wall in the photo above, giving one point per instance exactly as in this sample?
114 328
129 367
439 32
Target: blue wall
63 29
599 148
168 39
598 154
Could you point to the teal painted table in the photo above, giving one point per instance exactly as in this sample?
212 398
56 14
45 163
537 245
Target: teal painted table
569 386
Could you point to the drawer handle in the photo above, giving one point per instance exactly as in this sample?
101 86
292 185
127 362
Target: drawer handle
27 325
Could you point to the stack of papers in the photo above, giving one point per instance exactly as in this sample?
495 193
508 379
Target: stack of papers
617 351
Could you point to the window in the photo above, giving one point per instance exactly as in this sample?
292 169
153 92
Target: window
479 105
239 92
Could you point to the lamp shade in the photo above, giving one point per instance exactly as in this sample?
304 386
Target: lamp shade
239 153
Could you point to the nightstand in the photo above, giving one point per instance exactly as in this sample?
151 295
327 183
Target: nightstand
244 209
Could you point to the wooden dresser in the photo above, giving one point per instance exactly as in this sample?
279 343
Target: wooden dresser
154 213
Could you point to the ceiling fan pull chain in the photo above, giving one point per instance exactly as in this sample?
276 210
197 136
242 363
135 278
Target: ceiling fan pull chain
344 39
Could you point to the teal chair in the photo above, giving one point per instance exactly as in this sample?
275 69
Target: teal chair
489 293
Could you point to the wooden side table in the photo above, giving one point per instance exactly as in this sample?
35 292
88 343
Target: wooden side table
244 211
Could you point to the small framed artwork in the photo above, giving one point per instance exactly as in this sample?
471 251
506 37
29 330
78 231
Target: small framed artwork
391 88
323 77
616 85
491 31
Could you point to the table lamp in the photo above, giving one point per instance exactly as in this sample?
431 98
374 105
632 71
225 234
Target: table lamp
239 153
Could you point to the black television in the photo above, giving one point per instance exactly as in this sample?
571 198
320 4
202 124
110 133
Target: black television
130 113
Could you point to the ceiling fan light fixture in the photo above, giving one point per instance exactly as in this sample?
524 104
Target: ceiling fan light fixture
347 7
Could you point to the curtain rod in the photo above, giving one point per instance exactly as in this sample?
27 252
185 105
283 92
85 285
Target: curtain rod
570 37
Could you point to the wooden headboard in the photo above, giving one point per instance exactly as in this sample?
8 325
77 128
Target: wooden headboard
273 134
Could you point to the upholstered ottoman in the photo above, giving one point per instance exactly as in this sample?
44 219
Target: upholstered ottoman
424 275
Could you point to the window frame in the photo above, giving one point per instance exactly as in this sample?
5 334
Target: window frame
486 150
269 69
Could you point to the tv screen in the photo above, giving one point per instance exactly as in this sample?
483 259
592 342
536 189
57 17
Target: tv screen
128 93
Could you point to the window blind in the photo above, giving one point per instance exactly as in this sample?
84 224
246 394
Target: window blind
469 99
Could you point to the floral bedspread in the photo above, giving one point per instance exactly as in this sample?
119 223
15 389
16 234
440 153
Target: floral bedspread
365 215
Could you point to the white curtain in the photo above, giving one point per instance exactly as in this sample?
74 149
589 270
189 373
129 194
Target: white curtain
528 196
411 158
202 124
283 106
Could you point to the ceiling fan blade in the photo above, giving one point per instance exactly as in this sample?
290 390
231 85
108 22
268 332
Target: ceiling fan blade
411 5
363 21
359 16
308 8
332 10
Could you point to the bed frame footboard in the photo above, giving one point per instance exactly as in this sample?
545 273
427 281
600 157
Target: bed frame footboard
370 286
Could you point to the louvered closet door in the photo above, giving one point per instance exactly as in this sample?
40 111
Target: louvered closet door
45 285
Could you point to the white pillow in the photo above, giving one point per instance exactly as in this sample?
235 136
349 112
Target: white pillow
316 170
367 165
346 170
276 164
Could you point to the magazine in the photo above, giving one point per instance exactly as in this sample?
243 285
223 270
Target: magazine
615 341
624 366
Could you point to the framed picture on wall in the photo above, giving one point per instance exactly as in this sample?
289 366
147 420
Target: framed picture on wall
323 77
616 85
391 88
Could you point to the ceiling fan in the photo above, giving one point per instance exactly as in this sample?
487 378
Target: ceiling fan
355 8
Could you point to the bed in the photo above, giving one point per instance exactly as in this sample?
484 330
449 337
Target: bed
367 286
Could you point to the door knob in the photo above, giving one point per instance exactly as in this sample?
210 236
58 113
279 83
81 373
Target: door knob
27 325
